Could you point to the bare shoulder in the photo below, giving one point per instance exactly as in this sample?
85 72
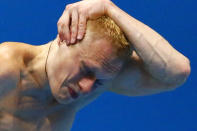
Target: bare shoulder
9 63
14 48
13 56
10 54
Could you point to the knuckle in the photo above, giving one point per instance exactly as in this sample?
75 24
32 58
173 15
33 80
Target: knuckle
74 30
67 32
81 26
80 10
62 25
68 6
81 31
81 22
74 24
59 23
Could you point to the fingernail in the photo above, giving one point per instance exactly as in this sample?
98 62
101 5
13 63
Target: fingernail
79 37
72 40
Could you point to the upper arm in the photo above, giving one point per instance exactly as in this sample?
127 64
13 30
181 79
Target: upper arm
134 80
8 71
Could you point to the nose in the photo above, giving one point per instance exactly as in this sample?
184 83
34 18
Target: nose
86 84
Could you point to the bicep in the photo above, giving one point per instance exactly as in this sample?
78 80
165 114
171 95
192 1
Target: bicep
134 80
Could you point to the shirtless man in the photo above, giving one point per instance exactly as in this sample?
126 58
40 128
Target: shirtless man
42 87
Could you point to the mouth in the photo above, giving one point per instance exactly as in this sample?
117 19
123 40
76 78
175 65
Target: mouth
73 94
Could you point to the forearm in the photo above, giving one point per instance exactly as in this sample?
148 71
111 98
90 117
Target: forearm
161 60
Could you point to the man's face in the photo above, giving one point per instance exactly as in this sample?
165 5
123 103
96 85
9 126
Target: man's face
81 69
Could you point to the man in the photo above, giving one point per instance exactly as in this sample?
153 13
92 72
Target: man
156 65
42 87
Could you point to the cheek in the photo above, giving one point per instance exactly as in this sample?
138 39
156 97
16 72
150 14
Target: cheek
58 71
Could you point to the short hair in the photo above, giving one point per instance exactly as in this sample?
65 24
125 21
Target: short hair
105 27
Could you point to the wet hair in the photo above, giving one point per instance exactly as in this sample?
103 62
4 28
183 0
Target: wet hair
105 27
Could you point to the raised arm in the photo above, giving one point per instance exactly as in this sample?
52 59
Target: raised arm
157 66
135 80
160 59
156 61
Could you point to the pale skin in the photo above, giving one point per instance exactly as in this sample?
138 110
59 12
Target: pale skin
34 100
153 60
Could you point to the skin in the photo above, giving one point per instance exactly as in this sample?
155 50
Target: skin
33 100
159 67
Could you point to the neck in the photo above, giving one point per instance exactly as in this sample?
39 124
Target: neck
38 64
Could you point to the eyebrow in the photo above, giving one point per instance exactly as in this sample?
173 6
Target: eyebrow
110 68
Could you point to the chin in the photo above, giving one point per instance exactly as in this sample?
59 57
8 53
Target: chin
66 96
62 96
63 99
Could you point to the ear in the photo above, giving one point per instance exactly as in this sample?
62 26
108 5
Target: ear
86 84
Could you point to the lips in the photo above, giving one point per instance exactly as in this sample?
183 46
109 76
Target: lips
73 94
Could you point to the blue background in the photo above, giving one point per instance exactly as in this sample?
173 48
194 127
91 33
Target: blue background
34 22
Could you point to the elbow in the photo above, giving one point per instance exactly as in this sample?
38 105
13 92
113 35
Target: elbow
181 73
186 70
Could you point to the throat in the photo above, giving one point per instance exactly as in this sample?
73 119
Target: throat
35 65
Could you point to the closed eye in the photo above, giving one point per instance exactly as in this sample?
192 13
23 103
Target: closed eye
98 82
86 70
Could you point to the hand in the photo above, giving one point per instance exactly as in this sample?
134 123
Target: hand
72 23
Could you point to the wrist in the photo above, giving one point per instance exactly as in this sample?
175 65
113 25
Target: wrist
109 6
112 11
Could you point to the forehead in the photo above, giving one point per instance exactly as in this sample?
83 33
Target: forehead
102 55
100 49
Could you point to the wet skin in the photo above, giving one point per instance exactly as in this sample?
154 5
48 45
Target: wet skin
88 64
31 102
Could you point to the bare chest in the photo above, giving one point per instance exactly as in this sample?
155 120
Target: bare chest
31 104
9 122
28 106
32 98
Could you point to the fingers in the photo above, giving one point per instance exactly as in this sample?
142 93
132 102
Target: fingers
74 26
81 27
63 27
